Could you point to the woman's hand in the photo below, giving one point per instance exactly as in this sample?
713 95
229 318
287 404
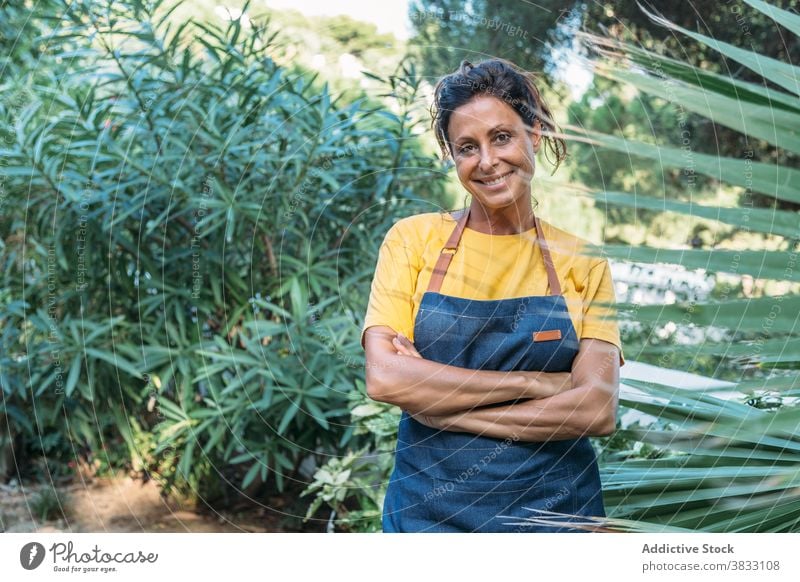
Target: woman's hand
437 422
404 346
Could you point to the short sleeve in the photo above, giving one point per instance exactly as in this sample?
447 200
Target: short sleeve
599 313
393 286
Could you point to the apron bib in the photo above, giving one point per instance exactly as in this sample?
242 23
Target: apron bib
460 482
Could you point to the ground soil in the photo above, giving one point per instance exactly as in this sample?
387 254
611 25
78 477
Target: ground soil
124 504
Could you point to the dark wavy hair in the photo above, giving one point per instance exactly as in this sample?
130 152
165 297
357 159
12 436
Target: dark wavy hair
502 79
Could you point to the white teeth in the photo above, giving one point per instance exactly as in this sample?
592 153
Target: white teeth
500 179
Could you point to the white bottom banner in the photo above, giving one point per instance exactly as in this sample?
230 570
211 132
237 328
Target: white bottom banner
414 557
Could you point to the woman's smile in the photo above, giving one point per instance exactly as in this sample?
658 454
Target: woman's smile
494 183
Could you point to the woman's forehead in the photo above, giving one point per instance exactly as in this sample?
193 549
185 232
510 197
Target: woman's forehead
483 113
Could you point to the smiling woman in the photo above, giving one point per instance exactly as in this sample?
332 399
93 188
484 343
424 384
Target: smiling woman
493 331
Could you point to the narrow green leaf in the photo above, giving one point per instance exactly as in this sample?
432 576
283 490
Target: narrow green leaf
290 413
780 182
782 74
251 474
114 360
790 20
769 221
773 125
777 265
74 374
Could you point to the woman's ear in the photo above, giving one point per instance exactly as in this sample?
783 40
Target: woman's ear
536 135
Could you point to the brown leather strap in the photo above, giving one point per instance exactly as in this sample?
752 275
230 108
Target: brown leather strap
552 278
440 270
449 249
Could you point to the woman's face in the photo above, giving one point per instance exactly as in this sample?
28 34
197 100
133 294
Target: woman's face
493 151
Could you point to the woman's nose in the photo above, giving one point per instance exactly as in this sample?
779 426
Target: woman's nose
488 160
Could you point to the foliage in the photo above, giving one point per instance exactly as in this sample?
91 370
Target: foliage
732 22
447 31
723 465
354 486
732 467
46 504
357 37
532 34
187 235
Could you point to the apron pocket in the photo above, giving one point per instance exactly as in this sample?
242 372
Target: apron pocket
471 504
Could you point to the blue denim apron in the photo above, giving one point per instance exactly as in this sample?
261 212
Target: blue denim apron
461 482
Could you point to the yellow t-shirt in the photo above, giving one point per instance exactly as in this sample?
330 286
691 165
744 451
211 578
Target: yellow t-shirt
488 267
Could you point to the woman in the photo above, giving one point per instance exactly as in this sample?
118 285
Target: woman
492 330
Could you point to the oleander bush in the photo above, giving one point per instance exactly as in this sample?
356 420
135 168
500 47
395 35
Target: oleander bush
188 231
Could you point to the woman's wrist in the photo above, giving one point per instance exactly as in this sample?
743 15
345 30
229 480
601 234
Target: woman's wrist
545 384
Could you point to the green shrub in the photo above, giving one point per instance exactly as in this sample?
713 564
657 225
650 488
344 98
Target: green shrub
46 505
189 236
354 486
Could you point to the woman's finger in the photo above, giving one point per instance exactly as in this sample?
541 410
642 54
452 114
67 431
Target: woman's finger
408 344
422 419
398 345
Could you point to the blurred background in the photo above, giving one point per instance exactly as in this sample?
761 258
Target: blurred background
192 196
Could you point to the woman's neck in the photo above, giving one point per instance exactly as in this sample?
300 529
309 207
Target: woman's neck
512 220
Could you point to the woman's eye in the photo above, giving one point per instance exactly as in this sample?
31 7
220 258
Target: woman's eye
503 137
465 149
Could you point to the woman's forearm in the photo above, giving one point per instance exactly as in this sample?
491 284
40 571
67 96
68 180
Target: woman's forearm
578 412
427 387
588 409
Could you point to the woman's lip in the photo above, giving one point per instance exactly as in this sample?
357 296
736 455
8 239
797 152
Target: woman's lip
497 181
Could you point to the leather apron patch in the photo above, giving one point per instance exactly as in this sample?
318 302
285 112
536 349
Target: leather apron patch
546 336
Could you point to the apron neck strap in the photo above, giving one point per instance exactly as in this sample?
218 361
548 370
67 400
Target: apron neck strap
451 246
552 278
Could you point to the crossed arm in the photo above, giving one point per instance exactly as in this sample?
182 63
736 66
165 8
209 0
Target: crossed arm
556 406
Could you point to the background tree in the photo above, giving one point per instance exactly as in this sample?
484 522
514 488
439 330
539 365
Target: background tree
447 31
545 33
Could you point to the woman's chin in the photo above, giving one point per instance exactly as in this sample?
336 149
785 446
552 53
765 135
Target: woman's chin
498 200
